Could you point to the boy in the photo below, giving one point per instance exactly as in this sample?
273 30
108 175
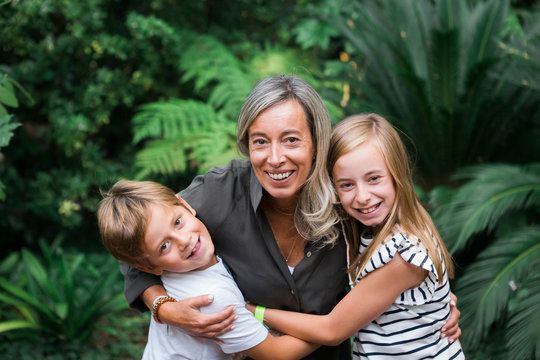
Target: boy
147 226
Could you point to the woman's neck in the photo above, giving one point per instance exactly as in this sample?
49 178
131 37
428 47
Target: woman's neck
281 206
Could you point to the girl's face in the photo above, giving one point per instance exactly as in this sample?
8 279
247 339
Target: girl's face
281 149
364 184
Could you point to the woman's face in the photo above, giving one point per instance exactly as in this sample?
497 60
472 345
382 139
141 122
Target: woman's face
281 149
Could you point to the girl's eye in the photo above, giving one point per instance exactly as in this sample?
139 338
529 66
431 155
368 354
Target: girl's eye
374 178
344 186
178 222
164 247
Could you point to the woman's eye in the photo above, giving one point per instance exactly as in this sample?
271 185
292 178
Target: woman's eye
292 140
345 186
374 178
258 142
164 247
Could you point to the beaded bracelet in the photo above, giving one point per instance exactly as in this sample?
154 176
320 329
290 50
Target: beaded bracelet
160 300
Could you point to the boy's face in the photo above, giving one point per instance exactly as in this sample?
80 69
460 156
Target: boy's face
176 240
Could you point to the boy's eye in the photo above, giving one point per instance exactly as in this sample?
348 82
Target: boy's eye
178 222
164 247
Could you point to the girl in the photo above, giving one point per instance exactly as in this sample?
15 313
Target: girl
400 266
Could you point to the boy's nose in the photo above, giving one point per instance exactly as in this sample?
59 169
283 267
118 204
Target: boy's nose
183 240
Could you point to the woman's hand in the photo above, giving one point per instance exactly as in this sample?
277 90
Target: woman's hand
451 328
186 314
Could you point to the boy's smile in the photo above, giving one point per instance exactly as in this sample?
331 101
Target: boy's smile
177 241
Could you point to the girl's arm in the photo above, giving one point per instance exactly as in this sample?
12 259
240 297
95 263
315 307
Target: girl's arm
364 303
186 315
281 348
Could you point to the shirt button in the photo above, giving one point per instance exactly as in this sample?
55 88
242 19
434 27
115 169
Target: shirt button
308 254
292 292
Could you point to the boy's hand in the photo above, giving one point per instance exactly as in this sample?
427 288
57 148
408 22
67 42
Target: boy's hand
186 314
451 329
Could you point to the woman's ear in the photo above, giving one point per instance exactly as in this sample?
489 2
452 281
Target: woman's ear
184 202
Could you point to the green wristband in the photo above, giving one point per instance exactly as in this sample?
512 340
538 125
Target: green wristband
259 313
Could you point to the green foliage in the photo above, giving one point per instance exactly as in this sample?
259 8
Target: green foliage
7 98
493 192
443 72
181 132
61 297
497 292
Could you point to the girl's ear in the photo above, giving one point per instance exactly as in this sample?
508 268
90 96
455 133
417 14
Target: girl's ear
184 202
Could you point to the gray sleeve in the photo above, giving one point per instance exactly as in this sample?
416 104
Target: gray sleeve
135 282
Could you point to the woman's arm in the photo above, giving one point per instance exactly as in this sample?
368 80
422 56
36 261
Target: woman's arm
185 313
281 348
364 303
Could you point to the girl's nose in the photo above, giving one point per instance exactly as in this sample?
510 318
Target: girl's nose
362 195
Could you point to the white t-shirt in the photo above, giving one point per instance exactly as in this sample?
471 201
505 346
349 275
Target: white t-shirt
170 342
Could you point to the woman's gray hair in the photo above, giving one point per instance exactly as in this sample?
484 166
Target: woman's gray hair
315 217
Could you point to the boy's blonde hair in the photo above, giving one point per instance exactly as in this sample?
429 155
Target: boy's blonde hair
406 211
124 214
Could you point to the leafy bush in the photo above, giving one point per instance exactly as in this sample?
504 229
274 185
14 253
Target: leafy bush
61 298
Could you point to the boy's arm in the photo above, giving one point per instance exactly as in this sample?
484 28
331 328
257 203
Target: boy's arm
364 303
281 348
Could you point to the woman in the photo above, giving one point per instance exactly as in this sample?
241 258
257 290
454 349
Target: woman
264 216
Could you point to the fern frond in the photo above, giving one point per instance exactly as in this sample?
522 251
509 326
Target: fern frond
172 119
164 156
207 60
486 287
493 191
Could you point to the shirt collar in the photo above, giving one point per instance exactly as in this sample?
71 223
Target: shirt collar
255 190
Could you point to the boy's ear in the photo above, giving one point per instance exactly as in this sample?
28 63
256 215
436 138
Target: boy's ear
149 270
184 202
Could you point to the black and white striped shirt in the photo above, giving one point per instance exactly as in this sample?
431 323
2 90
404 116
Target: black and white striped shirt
410 328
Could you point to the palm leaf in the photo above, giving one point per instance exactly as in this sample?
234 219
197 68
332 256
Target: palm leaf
494 190
16 324
439 72
486 287
523 330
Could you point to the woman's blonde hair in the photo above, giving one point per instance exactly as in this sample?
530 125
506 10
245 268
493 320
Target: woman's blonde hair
407 212
313 218
124 214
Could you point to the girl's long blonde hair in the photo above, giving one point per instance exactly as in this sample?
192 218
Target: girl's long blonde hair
407 212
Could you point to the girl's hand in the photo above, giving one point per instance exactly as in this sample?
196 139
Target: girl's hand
186 314
251 307
451 329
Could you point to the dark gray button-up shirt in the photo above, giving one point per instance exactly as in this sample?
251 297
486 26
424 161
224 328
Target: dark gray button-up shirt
227 200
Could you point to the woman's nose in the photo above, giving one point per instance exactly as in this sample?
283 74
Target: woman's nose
275 158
